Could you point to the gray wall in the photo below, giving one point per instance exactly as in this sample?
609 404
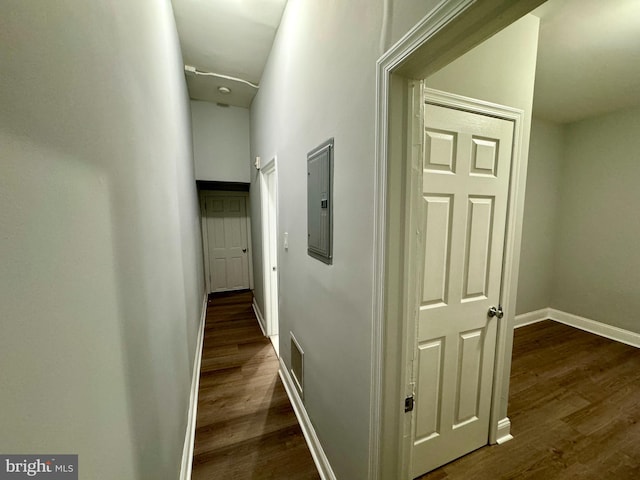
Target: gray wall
220 142
500 70
541 219
579 246
319 82
597 259
101 282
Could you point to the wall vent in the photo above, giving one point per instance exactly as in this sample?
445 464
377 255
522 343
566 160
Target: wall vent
297 364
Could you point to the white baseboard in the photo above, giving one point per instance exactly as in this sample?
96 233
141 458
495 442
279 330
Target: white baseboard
319 457
260 317
531 317
592 326
599 328
504 431
190 435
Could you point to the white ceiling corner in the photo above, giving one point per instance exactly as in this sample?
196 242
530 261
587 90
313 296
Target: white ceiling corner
588 58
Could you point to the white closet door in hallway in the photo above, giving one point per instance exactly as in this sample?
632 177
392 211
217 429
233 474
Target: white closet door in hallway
225 231
460 217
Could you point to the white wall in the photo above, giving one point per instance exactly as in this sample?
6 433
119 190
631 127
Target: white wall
101 281
541 222
220 142
597 260
319 82
499 70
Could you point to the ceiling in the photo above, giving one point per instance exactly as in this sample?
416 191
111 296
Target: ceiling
588 52
227 37
588 58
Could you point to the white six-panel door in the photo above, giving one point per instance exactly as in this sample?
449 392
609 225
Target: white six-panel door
269 191
460 241
227 242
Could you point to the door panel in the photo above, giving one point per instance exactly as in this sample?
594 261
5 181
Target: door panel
218 274
441 146
465 182
226 224
437 226
429 384
470 347
478 242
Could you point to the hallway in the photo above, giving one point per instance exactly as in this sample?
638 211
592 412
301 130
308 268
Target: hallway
246 427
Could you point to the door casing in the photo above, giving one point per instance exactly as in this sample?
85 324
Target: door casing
451 29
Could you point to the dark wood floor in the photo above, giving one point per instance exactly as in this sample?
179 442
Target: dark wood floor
574 407
246 427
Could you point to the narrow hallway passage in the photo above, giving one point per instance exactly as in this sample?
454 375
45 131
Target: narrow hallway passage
246 427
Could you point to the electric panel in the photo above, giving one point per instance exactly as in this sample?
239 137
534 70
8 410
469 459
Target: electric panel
320 202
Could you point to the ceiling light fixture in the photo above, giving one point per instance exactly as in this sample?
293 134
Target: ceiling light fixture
224 90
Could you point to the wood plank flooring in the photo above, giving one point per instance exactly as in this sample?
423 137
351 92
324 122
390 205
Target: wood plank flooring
246 427
574 406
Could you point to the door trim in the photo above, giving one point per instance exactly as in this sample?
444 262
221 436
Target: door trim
448 31
205 240
271 168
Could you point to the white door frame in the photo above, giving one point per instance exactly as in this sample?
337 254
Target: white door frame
205 240
444 34
270 246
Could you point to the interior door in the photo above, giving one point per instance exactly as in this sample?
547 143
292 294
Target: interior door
227 243
273 255
460 241
269 190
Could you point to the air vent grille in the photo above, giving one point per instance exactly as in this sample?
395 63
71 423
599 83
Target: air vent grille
297 364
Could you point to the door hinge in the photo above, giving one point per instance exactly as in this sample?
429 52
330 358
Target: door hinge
408 404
